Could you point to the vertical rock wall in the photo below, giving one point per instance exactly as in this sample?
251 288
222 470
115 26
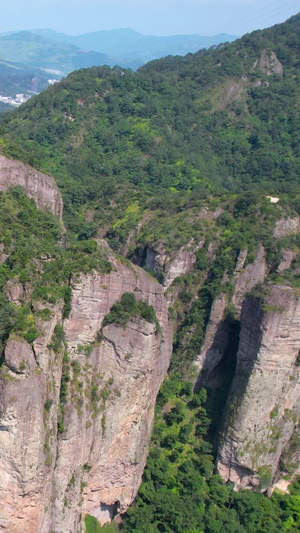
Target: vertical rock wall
39 186
50 479
264 401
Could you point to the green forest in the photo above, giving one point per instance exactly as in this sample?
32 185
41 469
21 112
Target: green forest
207 124
151 149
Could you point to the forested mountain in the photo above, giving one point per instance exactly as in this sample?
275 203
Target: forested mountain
177 244
220 120
33 50
16 78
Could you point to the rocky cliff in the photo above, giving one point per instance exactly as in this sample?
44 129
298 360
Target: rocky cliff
76 420
217 337
262 411
39 186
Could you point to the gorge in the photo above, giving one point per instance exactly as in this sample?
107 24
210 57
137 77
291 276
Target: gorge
140 252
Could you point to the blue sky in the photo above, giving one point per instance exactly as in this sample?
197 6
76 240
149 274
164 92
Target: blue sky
151 17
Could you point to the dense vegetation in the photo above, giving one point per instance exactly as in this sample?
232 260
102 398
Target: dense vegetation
181 494
186 149
34 258
186 127
128 308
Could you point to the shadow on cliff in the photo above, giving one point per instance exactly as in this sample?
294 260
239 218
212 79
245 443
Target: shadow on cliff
218 379
246 350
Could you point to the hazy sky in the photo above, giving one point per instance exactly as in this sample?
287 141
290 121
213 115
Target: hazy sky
155 17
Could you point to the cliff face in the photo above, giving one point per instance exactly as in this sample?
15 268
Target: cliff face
39 186
217 337
259 438
95 462
260 422
28 430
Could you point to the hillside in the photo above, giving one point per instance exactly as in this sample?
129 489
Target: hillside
220 120
32 50
19 79
150 283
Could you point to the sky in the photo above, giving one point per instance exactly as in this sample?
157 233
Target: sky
150 17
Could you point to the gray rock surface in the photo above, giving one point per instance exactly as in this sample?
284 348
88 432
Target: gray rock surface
217 332
39 186
264 401
49 479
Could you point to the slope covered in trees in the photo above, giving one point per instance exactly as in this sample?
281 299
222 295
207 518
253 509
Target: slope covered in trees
220 120
215 131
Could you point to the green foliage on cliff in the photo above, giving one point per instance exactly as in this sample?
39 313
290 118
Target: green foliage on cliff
129 307
36 259
180 493
165 147
92 526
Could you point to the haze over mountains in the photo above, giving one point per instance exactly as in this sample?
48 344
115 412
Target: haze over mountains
158 244
30 58
132 49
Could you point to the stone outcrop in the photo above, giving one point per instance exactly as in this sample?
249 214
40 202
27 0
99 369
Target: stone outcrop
260 438
260 422
246 277
182 263
155 258
217 337
215 342
28 430
270 64
287 258
287 226
39 186
94 464
170 267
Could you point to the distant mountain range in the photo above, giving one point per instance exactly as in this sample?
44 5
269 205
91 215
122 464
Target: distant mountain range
28 59
132 49
16 78
34 50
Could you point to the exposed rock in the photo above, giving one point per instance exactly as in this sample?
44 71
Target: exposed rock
270 64
182 263
24 480
14 291
290 459
215 343
287 226
155 259
233 92
273 199
96 462
287 257
264 401
171 266
246 278
116 430
179 263
19 356
217 332
120 455
39 186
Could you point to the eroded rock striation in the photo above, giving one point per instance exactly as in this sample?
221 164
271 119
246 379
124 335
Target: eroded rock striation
76 421
218 335
262 411
39 186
